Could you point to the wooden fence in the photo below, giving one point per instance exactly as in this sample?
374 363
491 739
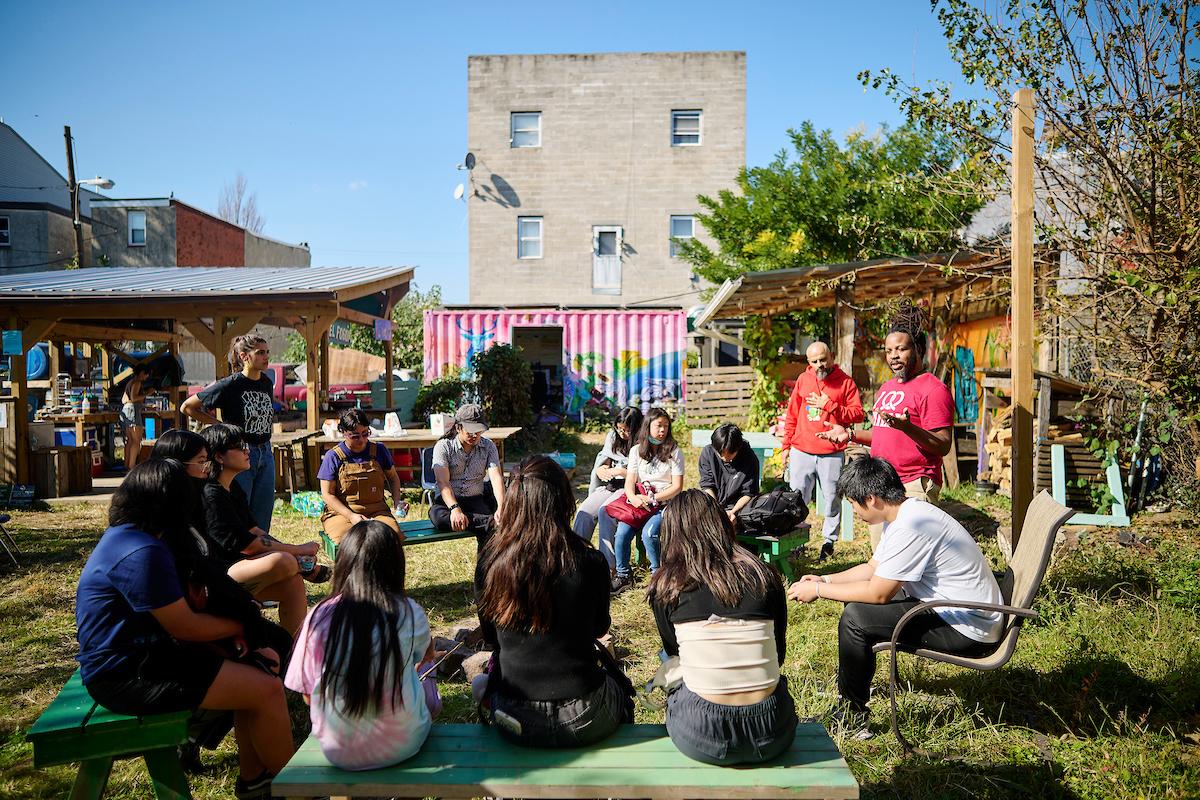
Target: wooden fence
718 394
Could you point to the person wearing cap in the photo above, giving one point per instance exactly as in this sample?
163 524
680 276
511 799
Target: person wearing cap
469 479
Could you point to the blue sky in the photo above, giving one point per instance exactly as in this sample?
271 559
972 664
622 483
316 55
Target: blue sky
348 121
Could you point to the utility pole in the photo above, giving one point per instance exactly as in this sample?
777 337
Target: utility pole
74 187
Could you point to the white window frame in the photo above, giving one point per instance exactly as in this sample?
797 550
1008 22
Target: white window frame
6 225
687 113
619 234
674 241
513 130
130 229
540 239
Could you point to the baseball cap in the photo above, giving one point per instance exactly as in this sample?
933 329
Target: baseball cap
471 418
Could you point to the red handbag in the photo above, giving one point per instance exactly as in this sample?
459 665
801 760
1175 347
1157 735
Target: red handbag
634 516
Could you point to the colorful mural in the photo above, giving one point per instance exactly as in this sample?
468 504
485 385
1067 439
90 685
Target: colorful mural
609 358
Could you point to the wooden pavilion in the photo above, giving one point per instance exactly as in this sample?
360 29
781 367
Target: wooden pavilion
213 304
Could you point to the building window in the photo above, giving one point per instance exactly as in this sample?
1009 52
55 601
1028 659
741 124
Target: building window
137 228
685 128
529 237
682 227
525 129
5 241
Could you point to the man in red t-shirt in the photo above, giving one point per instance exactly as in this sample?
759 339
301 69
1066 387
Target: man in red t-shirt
823 396
912 420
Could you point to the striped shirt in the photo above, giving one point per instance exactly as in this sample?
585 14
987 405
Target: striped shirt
468 471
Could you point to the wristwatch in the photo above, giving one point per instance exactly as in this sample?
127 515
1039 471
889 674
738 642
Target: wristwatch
454 506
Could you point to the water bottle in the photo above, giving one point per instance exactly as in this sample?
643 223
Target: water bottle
86 408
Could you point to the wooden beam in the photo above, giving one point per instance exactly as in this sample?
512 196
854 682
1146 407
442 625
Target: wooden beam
352 315
219 347
312 327
388 389
67 331
240 326
843 349
1022 309
324 370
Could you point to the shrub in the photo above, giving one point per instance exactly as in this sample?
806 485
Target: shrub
504 382
441 396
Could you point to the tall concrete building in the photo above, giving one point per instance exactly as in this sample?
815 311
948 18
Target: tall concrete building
587 171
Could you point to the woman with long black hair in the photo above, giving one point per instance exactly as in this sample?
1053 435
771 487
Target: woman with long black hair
357 654
143 650
722 616
543 602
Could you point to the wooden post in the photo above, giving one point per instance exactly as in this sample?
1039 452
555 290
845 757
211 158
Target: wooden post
844 329
311 327
1022 309
388 362
32 332
324 386
175 393
219 347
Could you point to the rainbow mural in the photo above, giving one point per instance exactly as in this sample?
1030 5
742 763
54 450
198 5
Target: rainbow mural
610 358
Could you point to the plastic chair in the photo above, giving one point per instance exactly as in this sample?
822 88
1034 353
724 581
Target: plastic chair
429 485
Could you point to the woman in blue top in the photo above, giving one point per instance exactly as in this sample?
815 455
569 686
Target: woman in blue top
142 650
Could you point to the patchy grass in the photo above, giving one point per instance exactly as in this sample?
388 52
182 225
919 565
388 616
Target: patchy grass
1101 699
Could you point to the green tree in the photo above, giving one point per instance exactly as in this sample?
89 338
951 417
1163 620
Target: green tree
1116 86
898 192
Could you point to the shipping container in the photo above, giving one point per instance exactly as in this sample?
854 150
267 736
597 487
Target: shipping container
580 358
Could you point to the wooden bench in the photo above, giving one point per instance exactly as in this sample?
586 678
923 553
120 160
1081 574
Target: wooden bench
74 728
416 531
639 761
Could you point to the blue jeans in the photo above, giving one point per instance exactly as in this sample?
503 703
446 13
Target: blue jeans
649 540
258 483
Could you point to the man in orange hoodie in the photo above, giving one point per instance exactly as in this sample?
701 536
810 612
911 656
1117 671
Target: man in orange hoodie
824 396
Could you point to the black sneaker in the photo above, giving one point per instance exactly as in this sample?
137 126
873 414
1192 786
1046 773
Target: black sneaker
254 789
826 552
850 722
620 584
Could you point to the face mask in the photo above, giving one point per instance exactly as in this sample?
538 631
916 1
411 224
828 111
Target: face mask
654 441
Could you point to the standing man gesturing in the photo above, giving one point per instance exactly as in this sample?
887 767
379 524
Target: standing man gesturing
824 395
245 399
913 417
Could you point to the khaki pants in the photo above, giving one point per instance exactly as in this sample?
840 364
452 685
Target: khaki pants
922 489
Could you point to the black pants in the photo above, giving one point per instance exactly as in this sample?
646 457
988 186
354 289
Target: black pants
725 735
575 722
480 510
863 625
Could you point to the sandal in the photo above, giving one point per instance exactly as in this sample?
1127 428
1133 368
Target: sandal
318 574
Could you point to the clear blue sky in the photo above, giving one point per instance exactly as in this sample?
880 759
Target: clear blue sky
348 121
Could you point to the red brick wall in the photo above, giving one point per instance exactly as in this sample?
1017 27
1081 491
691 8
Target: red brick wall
202 240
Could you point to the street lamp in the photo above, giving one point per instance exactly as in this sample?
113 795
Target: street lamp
73 186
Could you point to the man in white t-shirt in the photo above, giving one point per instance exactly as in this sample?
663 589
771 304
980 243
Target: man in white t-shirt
925 553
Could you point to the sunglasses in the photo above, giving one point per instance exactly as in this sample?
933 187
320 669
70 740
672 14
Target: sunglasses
356 436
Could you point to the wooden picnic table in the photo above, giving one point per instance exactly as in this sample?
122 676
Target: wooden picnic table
418 438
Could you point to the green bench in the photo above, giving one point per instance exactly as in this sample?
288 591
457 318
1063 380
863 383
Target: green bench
416 531
639 761
776 549
74 728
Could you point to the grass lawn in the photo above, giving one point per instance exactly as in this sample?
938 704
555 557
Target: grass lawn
1101 700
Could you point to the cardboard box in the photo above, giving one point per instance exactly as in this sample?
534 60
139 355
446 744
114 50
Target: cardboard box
41 435
440 424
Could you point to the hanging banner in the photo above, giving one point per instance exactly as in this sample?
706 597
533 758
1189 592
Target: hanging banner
12 343
339 334
383 330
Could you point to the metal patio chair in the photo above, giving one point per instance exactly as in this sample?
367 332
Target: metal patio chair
1019 587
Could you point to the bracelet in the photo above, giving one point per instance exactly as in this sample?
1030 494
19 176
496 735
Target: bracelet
825 579
454 506
851 432
818 591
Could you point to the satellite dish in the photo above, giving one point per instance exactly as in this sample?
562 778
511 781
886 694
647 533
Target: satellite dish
459 191
470 161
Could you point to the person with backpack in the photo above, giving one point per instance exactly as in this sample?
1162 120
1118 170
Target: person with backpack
729 470
608 482
353 477
542 595
722 616
654 476
356 657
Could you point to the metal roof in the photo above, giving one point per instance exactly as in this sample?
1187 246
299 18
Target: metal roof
784 290
204 283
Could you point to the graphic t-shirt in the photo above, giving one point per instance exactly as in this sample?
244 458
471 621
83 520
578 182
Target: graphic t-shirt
384 735
929 406
128 575
936 559
243 402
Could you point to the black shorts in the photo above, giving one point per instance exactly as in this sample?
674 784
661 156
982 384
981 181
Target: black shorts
166 679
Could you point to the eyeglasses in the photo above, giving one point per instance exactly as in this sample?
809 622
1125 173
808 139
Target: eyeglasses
357 435
244 446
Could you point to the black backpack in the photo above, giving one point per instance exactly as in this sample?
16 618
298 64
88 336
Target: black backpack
775 513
